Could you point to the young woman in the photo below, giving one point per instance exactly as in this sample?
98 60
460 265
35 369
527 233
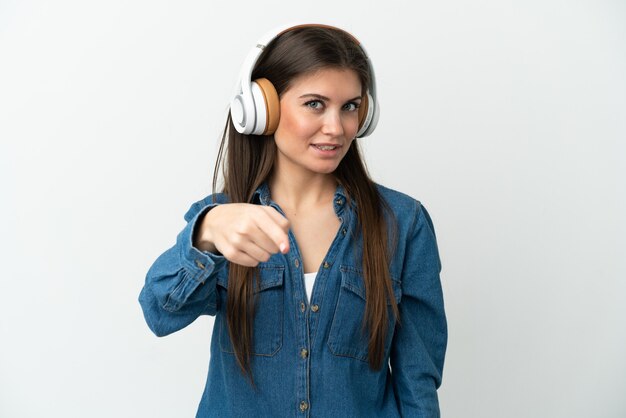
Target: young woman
324 284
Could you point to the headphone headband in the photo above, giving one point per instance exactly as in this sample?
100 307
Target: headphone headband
254 107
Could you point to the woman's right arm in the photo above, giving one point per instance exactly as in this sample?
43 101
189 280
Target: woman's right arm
180 284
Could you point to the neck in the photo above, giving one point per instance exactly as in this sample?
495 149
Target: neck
297 194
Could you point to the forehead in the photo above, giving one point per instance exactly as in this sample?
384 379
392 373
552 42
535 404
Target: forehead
337 83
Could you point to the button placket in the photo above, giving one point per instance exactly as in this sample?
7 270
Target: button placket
303 352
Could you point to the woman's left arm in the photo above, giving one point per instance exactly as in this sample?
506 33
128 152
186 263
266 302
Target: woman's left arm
419 344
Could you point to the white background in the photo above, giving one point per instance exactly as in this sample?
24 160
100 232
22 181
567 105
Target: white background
507 120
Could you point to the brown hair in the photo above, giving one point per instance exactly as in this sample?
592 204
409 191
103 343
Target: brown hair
249 162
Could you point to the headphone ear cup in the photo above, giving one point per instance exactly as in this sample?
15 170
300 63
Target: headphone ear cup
271 106
368 116
237 113
374 120
363 110
260 112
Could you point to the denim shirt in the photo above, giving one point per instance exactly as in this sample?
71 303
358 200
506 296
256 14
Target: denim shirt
309 358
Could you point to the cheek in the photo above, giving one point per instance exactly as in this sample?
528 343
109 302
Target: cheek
350 124
292 124
353 126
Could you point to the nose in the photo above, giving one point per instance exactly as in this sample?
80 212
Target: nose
333 124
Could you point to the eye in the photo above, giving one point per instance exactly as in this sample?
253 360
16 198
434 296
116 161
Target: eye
310 102
356 106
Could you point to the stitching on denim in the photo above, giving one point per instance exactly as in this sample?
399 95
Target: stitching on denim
169 295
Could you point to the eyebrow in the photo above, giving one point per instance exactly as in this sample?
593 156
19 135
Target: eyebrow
319 96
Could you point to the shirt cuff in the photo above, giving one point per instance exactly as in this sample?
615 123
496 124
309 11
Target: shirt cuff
199 264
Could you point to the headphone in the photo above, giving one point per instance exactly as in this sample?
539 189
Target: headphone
255 106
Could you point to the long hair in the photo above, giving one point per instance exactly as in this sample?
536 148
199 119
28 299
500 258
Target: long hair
249 162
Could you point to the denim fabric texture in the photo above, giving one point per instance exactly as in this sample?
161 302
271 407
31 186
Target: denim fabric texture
310 359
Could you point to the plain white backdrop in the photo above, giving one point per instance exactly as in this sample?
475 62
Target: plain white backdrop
506 119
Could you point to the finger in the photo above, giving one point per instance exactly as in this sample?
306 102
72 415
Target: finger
278 217
236 256
254 251
250 232
276 228
263 240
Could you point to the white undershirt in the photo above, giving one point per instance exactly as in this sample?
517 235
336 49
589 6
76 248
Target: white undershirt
309 279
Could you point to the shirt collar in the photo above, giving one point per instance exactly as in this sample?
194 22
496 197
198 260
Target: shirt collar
262 195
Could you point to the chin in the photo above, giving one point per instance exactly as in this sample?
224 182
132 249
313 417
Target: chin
326 169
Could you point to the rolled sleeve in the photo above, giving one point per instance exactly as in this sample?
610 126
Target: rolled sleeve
180 284
419 343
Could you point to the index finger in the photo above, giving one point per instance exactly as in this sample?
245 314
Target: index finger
276 227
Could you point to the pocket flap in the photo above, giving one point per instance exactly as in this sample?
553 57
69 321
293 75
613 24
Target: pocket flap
271 275
352 279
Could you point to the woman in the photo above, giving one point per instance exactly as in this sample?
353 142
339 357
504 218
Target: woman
319 278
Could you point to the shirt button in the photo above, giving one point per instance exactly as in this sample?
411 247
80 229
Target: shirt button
304 352
302 307
339 202
304 406
297 263
315 308
199 264
326 264
343 231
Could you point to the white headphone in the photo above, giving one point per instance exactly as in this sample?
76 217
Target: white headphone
255 107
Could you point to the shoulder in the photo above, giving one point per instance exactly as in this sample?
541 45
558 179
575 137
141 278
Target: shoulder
400 203
212 199
416 227
409 210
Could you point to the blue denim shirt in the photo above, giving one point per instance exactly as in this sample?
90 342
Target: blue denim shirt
309 358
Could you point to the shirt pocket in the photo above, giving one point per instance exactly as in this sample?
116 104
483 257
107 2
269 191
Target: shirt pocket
268 320
345 337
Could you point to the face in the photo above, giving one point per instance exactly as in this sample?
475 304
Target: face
318 109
